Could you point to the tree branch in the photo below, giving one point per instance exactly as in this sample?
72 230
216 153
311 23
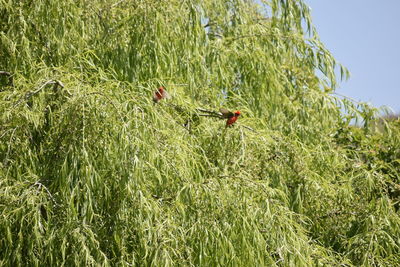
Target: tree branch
32 93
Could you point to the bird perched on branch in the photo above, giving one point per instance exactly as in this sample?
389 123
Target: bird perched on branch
159 94
230 116
222 114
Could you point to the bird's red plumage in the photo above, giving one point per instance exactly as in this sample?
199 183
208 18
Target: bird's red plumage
160 94
233 118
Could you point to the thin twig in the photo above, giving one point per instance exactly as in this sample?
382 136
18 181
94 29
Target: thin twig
117 3
5 161
178 84
32 93
40 185
336 213
209 24
249 128
216 35
2 72
348 98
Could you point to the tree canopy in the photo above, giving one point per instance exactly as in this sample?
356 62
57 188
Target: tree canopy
92 172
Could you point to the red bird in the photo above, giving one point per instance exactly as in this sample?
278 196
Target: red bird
161 93
230 116
222 114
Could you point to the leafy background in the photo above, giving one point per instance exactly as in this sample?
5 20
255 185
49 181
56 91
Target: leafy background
93 173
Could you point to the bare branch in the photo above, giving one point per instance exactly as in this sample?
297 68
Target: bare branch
6 73
40 185
248 128
32 93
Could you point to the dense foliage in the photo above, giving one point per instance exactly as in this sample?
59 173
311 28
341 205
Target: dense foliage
92 172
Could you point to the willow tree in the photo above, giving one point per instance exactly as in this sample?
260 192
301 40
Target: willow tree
93 173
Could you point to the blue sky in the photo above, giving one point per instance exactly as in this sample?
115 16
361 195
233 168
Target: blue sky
363 35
